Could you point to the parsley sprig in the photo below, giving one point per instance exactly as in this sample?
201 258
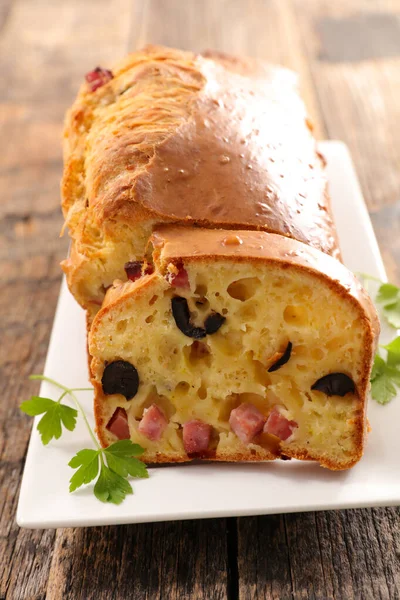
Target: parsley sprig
385 375
111 466
388 300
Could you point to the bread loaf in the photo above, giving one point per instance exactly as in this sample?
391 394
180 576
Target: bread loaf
235 345
238 335
172 137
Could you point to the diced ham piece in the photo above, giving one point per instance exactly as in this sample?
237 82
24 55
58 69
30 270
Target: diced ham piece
196 436
246 421
118 424
134 269
98 77
181 279
279 425
153 423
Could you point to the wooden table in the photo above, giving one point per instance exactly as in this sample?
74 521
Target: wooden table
348 56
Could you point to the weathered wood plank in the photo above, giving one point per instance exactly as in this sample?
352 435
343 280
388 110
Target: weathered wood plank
263 559
175 561
359 552
358 97
334 555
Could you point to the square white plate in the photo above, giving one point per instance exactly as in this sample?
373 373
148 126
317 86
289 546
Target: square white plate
214 490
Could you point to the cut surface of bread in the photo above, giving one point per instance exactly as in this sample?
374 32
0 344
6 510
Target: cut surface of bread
238 346
169 136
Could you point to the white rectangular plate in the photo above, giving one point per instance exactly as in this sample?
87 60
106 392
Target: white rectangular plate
214 490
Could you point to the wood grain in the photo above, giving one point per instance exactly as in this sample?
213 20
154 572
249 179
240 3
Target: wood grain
358 98
163 560
348 57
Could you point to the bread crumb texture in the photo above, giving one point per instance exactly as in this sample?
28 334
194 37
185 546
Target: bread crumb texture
265 307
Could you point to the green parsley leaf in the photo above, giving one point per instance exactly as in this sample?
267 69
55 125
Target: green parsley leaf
387 293
49 425
378 367
392 314
111 487
68 416
36 405
388 297
382 389
88 462
120 459
393 350
384 377
124 448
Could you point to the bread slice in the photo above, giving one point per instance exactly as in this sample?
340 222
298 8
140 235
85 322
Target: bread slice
238 346
173 137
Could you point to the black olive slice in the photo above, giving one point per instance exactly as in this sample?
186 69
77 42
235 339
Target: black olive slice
282 360
334 384
180 311
213 322
120 377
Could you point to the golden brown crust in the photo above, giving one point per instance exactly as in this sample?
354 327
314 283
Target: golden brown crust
175 137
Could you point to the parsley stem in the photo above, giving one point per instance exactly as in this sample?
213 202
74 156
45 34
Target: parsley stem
371 277
79 407
62 396
49 380
74 398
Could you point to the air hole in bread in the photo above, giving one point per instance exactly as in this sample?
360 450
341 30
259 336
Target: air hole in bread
202 391
232 401
300 350
243 289
295 315
261 373
198 352
182 388
121 326
247 312
317 353
202 304
201 289
153 397
229 343
153 299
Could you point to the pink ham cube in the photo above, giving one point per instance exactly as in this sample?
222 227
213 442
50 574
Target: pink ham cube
153 423
118 424
196 436
279 425
246 421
